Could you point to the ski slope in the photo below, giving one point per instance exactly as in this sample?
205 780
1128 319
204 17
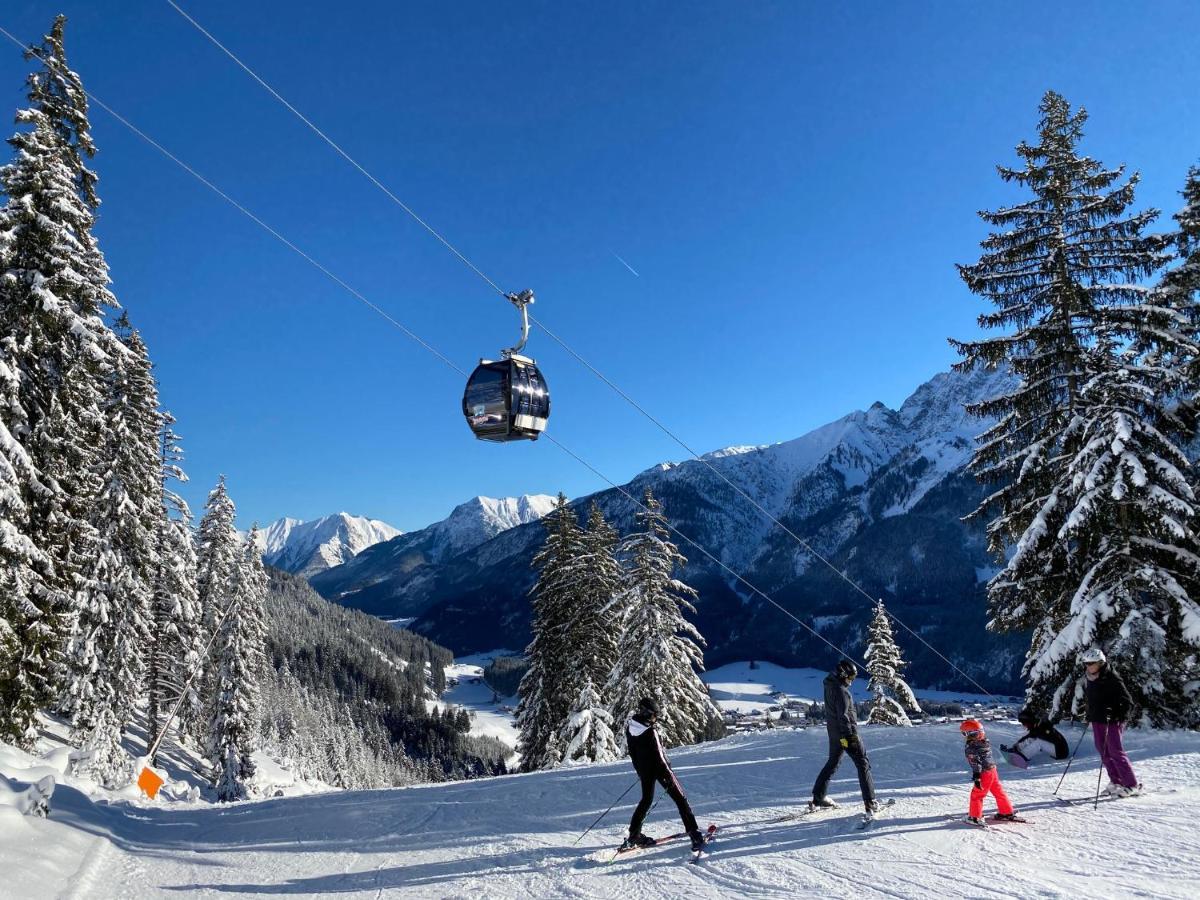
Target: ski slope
512 837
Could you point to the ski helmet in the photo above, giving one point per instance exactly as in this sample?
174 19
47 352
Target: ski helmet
648 706
846 669
971 726
1027 717
1093 655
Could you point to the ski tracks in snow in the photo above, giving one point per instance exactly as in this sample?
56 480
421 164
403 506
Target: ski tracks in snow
510 838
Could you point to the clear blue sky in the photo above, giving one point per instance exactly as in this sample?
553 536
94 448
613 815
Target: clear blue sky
793 182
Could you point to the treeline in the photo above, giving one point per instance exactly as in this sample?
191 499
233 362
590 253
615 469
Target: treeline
609 629
1094 512
377 683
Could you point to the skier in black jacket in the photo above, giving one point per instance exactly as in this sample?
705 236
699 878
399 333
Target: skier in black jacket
1108 708
1041 738
842 725
650 762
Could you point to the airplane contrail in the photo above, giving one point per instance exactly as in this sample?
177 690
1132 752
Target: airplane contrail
627 265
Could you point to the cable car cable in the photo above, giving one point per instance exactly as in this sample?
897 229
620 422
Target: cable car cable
695 455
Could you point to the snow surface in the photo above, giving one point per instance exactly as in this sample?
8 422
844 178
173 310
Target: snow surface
513 837
738 688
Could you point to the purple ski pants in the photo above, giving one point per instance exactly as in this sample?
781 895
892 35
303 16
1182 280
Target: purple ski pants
1108 743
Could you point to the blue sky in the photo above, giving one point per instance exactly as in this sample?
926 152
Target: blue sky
793 182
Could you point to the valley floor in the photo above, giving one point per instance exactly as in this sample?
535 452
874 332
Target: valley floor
512 837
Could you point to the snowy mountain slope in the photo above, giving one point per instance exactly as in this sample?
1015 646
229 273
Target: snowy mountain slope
306 548
385 572
879 492
512 837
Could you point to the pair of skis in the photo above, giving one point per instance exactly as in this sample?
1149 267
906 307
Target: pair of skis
697 855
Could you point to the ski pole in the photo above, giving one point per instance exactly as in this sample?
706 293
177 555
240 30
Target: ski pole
1071 760
1100 771
606 812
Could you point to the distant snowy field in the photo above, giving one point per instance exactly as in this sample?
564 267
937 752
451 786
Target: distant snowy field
512 837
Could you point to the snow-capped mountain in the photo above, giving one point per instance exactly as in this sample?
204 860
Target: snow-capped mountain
383 573
880 493
306 548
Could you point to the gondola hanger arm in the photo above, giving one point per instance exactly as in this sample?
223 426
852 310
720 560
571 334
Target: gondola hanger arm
521 301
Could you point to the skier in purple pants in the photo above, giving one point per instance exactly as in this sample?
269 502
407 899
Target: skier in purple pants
1108 706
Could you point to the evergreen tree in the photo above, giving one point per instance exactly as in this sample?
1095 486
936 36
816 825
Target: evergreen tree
659 653
587 735
240 667
218 555
177 641
1131 547
56 351
111 635
596 625
1177 297
545 702
1062 269
890 694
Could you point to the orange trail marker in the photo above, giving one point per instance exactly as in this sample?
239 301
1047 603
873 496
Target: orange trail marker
149 782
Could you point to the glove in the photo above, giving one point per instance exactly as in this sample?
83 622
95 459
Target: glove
975 780
1004 749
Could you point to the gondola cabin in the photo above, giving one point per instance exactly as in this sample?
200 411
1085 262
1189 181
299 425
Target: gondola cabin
507 400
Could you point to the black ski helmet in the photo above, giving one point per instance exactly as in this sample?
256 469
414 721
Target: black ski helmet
648 706
1027 717
846 670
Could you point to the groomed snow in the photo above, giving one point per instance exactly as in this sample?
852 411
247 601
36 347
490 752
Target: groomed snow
512 837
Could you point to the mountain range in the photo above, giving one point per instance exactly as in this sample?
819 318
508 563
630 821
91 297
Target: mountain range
880 493
306 548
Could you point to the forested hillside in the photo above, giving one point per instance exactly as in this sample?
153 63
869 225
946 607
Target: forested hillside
351 701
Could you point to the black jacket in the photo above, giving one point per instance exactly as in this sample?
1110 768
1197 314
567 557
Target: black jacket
1044 731
839 709
645 749
1107 697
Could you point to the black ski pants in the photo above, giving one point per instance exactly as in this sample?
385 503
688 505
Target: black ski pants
668 780
859 755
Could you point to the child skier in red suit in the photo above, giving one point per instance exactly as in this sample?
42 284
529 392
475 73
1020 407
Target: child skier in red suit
985 777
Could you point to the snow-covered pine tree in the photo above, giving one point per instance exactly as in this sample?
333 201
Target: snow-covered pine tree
592 627
891 697
111 633
588 734
659 654
1056 267
240 661
53 289
177 639
544 691
218 556
1177 296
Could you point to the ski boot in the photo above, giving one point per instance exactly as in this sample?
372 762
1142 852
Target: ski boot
976 820
638 840
697 841
822 803
1008 817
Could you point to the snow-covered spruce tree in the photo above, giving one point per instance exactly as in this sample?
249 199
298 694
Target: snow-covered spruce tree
177 639
218 557
891 697
1056 268
53 289
545 698
1176 299
588 734
1134 554
659 653
240 663
592 626
111 633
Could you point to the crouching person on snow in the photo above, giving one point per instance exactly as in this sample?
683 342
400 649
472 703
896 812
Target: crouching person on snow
985 777
842 725
1108 706
1041 739
650 762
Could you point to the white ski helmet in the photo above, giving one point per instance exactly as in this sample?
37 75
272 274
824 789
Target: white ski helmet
1093 655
